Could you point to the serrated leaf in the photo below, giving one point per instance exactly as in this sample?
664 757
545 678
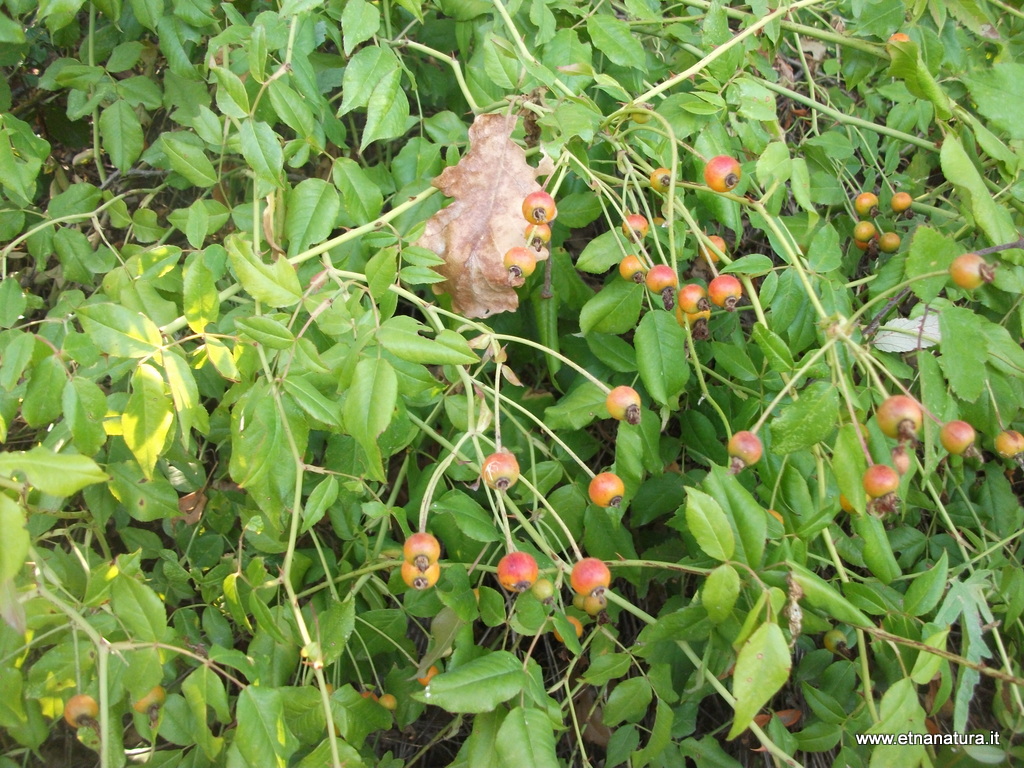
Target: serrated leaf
359 22
470 518
121 134
478 685
261 148
661 356
119 331
189 160
762 668
614 310
263 736
930 252
709 525
774 349
994 220
754 264
720 592
600 254
806 421
267 331
525 738
386 111
312 401
15 544
200 300
927 588
369 408
275 284
139 608
964 351
58 474
147 418
312 209
613 38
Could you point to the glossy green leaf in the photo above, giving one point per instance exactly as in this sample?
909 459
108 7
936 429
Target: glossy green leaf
613 38
359 22
774 349
927 588
369 408
119 331
145 500
15 543
774 164
754 264
200 300
577 408
806 421
42 402
312 401
628 702
59 474
12 302
709 525
762 668
720 592
139 608
927 664
878 554
189 160
274 284
470 517
525 738
994 220
600 254
321 498
336 626
964 351
203 689
263 738
661 356
121 134
361 198
930 252
615 309
147 417
900 712
267 331
477 686
849 465
261 148
387 110
747 516
312 209
365 71
85 405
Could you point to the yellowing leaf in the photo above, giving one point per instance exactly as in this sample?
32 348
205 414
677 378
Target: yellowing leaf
147 417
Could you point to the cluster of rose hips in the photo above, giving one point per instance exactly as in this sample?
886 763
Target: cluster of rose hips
539 211
865 234
419 566
81 710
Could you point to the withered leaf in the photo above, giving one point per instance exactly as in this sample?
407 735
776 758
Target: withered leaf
485 220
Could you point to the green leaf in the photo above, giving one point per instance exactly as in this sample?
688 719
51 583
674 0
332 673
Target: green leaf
85 405
709 525
119 331
121 133
600 254
661 356
15 543
312 401
58 474
824 253
906 65
927 588
145 500
369 67
930 251
361 198
185 394
369 407
263 737
386 111
614 310
42 402
754 264
806 421
607 667
525 738
628 702
774 164
312 210
616 40
336 626
261 148
994 220
232 98
577 408
12 302
900 712
720 592
996 89
964 351
478 685
199 295
927 664
762 667
877 551
359 21
470 518
322 497
147 417
849 465
189 160
268 331
745 514
139 609
275 284
774 349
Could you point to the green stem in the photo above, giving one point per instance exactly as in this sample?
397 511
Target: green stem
846 119
450 61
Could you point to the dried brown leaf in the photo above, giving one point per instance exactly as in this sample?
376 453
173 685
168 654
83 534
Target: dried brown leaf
485 220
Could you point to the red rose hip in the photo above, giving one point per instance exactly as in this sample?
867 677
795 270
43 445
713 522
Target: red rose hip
722 173
590 576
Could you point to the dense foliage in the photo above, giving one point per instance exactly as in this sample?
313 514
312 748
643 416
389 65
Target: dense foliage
229 391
